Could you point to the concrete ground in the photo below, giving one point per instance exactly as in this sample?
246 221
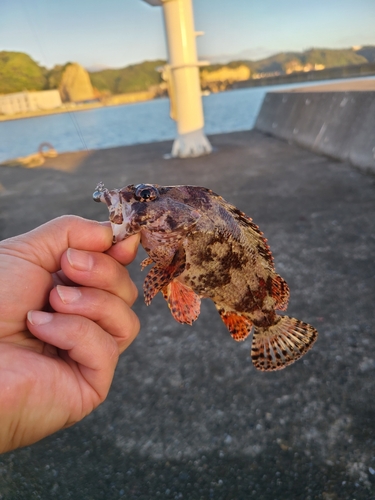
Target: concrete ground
188 416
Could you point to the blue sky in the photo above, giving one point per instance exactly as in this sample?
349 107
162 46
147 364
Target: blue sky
115 33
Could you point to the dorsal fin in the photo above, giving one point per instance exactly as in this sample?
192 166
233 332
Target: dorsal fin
251 231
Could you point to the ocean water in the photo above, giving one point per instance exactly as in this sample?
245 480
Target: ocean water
128 124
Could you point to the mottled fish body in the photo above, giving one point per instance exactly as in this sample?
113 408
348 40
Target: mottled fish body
203 247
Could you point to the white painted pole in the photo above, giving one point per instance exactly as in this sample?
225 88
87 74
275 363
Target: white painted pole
182 74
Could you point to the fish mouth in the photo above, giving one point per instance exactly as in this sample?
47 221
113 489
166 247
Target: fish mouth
122 223
121 214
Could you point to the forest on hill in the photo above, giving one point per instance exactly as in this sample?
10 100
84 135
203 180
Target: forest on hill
18 71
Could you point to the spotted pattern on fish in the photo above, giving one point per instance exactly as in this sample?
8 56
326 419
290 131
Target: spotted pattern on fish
203 247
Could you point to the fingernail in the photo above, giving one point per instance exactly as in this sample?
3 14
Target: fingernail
39 317
68 294
80 260
133 243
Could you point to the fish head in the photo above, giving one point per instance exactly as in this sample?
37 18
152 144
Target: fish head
148 208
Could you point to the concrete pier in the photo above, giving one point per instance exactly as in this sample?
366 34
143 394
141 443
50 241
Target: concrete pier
188 417
334 119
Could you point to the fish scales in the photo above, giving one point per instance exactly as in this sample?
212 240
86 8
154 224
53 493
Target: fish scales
203 247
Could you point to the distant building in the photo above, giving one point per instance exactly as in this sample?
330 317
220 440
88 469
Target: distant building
296 67
21 102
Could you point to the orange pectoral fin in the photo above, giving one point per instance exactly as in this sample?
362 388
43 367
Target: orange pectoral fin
146 262
184 304
159 276
238 326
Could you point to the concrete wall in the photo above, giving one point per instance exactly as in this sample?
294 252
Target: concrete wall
338 124
20 102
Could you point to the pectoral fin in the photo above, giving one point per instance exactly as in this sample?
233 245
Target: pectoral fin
160 276
182 301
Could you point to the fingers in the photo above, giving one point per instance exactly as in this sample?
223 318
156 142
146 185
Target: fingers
85 342
125 251
109 311
98 270
45 245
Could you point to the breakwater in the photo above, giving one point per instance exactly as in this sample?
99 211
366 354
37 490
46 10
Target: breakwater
338 124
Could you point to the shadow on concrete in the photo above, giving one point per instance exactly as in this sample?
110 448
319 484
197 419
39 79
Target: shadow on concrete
188 416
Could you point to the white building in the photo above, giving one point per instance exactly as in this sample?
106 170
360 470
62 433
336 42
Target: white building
21 102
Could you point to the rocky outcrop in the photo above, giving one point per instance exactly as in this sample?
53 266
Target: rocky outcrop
75 85
223 78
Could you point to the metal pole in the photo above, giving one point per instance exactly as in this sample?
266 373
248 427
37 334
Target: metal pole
182 75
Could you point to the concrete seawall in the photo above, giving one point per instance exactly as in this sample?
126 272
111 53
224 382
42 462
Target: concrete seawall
338 124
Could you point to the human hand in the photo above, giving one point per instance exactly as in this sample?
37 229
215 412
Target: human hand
57 366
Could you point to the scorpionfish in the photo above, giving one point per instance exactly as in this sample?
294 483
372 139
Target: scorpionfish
201 246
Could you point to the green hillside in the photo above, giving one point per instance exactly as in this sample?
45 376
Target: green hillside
331 58
132 78
276 62
19 72
328 57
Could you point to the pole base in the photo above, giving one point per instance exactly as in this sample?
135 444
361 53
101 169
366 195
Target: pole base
191 145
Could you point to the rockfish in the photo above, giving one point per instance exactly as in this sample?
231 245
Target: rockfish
201 246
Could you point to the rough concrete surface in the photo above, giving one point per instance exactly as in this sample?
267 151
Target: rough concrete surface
352 85
337 124
188 416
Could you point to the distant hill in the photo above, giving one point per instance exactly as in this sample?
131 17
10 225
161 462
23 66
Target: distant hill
18 71
368 52
134 78
327 57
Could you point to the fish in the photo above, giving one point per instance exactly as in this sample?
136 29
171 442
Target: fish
201 246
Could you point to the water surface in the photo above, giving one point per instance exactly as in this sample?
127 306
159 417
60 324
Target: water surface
128 124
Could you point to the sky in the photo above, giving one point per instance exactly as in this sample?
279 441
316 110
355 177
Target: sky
116 33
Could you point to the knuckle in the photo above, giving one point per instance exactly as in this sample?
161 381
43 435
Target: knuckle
82 327
134 292
132 326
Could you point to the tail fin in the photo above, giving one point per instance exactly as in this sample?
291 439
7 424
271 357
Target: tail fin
279 345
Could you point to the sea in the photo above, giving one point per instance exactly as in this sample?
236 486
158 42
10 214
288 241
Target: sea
128 124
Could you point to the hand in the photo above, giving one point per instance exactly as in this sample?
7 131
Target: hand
64 319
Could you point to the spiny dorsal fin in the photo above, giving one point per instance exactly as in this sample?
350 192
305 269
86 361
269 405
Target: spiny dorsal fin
252 232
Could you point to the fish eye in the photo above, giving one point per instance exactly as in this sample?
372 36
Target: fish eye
146 192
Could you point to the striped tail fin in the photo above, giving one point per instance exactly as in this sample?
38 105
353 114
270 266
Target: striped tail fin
281 344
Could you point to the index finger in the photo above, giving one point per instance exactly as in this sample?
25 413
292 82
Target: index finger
45 245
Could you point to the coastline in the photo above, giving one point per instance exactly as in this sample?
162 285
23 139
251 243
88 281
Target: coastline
117 100
359 83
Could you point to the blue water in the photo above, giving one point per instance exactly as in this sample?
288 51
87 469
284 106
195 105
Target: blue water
128 124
